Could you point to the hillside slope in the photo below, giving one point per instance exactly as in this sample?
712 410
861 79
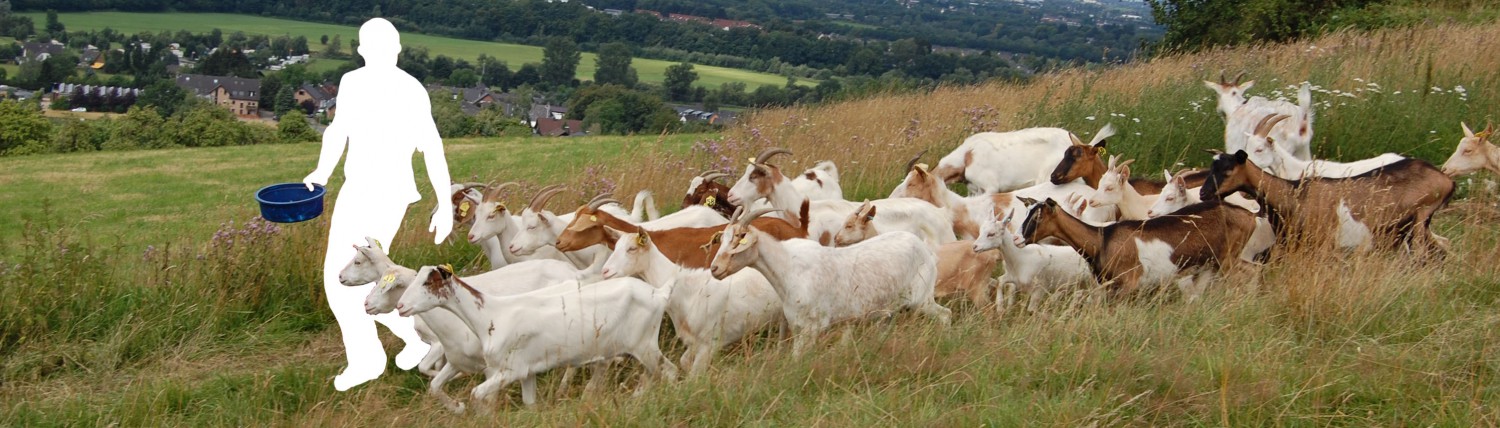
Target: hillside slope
239 336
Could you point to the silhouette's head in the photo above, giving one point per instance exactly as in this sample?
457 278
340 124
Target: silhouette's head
379 42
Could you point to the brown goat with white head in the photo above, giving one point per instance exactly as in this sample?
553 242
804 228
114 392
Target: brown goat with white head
703 190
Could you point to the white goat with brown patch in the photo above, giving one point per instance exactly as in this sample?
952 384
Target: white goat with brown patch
820 286
993 162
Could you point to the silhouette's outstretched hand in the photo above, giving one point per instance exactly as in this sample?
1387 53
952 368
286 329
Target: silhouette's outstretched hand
442 222
317 177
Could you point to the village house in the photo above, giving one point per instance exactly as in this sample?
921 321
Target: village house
39 51
475 98
544 111
323 97
549 127
240 95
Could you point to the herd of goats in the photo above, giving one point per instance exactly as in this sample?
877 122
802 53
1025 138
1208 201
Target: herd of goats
585 288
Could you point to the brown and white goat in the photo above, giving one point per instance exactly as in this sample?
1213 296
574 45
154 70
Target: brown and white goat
1474 152
703 190
1395 201
690 247
1086 161
1192 242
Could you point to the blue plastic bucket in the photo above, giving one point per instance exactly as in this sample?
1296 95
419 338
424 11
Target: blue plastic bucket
290 202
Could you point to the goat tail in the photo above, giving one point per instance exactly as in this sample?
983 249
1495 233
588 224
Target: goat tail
1304 100
829 167
1107 131
644 200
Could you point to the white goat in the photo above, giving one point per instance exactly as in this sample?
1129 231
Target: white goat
762 180
820 182
1036 269
494 223
1474 152
967 213
820 286
1115 190
993 162
1272 156
1241 115
932 224
707 313
562 325
459 348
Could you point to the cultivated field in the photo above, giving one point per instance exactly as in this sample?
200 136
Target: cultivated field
210 332
515 55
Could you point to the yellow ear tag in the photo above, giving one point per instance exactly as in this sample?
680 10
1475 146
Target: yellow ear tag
377 243
710 201
640 240
446 268
1483 135
594 218
1103 151
463 208
745 241
387 279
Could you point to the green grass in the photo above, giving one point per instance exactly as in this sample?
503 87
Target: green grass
649 70
320 65
135 198
111 334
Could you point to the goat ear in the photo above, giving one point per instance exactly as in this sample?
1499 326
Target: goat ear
1212 85
870 215
1246 86
1467 132
1026 201
1240 156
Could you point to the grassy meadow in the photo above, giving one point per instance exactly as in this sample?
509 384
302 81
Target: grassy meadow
130 22
188 333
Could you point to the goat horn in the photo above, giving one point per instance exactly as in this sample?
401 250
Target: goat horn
738 211
494 191
1125 164
913 162
1222 80
714 175
595 204
1237 78
598 197
706 172
542 196
766 155
745 221
1264 127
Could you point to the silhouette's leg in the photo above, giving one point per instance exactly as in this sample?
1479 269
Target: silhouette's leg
383 226
365 358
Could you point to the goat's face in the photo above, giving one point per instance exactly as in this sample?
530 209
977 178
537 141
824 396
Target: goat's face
586 230
429 288
1079 161
1262 152
921 184
1231 95
535 233
1473 153
496 218
758 182
1229 174
708 193
1040 222
858 227
464 202
1173 197
630 257
384 295
1111 190
362 269
736 251
995 234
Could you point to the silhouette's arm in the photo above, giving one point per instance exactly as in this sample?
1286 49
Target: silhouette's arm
334 139
431 145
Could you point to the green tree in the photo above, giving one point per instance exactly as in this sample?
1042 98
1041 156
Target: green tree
613 65
560 61
616 109
163 97
54 27
1194 24
227 62
294 129
463 78
23 130
679 81
140 128
323 40
286 99
335 47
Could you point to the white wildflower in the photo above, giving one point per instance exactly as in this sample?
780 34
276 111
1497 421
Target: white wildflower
1088 118
1136 119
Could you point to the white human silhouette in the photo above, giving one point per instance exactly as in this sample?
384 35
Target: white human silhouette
384 114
